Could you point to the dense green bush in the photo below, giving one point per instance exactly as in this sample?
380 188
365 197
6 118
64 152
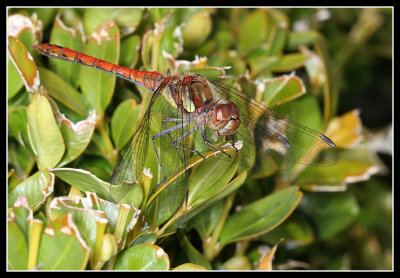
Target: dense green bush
68 123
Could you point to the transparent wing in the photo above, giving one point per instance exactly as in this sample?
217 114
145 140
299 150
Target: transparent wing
167 126
133 157
166 161
276 137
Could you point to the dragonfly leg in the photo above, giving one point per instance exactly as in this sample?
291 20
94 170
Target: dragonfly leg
166 131
163 121
174 142
233 143
183 136
171 120
205 140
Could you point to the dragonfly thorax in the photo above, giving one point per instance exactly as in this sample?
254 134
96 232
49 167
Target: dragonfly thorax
224 118
188 92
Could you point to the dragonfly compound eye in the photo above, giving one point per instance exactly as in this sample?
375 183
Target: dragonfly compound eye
224 119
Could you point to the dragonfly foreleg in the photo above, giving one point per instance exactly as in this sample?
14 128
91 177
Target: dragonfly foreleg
205 140
233 143
174 142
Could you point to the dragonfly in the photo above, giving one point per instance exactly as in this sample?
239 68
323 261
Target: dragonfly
190 115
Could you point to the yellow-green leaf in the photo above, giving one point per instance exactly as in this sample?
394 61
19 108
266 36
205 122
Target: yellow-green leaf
45 135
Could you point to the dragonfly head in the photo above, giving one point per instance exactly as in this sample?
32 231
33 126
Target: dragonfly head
224 118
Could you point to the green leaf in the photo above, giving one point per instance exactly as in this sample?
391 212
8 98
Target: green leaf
17 123
224 37
85 217
278 41
96 146
21 161
127 18
193 254
145 53
76 137
61 246
143 257
97 165
189 267
314 67
130 51
297 39
355 165
14 81
21 213
197 66
206 221
282 89
227 189
330 88
253 30
285 63
45 135
46 15
147 237
279 24
94 17
17 247
91 215
210 73
169 42
158 14
87 182
304 110
124 122
296 228
196 29
331 212
23 235
71 38
163 40
239 262
83 180
261 216
63 92
98 86
24 28
208 179
24 64
36 189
